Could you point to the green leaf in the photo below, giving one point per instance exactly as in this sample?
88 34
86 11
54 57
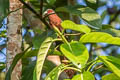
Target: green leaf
48 66
84 76
111 31
115 69
112 59
15 60
2 66
92 4
27 73
31 53
111 76
38 39
51 2
90 16
4 8
78 54
43 50
99 37
103 15
54 74
67 24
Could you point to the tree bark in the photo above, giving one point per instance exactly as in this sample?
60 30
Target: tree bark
14 37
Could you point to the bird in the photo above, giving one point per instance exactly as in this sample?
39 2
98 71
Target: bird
54 19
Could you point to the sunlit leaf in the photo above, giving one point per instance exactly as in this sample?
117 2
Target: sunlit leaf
84 76
99 37
43 50
67 24
78 54
111 76
115 68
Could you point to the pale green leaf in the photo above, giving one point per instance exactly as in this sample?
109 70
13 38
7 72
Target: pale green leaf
43 50
77 53
99 37
67 24
84 76
111 76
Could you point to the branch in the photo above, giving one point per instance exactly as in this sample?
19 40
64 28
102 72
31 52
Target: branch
33 11
41 7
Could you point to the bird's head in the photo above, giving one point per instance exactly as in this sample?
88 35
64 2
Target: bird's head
48 12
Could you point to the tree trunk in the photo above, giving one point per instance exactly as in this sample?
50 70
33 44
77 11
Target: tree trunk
14 37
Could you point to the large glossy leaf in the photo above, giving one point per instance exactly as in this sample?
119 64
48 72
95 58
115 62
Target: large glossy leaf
99 37
4 8
90 16
77 53
111 76
84 76
54 74
115 68
43 50
67 24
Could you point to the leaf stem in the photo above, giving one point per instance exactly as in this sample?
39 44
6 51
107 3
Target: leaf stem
91 66
72 68
60 34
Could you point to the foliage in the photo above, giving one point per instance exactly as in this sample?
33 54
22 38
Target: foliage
77 61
